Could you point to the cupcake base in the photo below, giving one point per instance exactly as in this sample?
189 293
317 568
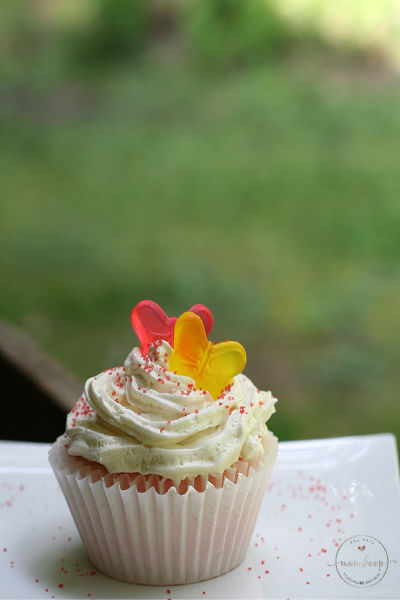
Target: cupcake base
145 529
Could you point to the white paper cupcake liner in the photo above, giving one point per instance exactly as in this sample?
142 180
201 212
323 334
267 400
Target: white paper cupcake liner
144 529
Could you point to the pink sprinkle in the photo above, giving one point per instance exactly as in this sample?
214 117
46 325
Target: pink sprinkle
60 585
36 580
4 549
249 568
267 572
301 569
328 574
263 562
307 583
323 550
299 529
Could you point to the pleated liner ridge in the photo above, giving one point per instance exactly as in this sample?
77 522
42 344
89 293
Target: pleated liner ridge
144 529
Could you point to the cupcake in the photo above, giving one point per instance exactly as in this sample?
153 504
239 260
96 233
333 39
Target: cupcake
166 459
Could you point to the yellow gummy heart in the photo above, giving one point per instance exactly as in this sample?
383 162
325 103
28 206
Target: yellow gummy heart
211 366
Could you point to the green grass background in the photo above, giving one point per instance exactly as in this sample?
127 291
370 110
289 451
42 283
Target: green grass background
269 193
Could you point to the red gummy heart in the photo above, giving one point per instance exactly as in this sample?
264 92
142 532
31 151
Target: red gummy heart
151 323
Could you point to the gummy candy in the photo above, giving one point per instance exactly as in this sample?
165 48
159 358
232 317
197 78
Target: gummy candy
151 323
211 366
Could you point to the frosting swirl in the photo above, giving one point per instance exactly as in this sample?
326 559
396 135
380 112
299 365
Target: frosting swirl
144 418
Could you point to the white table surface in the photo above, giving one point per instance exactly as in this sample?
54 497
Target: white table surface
322 493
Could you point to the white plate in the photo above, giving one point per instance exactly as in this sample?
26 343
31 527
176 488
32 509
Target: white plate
322 493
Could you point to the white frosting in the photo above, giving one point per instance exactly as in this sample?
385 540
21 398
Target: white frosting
144 418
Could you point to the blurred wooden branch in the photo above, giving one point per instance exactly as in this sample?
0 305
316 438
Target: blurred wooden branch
43 372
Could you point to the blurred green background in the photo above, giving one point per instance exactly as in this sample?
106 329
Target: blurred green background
244 155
